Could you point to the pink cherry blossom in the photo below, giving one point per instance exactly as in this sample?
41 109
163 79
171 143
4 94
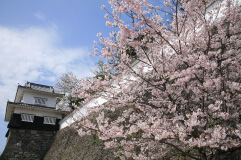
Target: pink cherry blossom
176 85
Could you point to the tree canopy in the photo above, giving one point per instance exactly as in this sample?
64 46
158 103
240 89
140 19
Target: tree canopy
181 92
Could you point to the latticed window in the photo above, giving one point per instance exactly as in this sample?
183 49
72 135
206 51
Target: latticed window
27 117
49 120
41 101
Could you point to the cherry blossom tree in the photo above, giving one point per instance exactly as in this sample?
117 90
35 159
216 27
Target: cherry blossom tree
67 83
177 83
100 71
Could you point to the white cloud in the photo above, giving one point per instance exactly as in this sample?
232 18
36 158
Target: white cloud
35 54
39 15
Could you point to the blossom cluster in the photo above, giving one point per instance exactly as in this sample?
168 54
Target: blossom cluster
176 85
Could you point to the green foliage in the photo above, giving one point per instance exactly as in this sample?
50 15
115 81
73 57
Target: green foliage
131 106
137 134
131 52
118 148
74 101
96 140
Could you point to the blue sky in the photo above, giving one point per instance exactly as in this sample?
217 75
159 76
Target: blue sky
42 39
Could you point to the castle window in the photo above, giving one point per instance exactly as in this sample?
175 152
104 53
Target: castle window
49 120
27 117
41 101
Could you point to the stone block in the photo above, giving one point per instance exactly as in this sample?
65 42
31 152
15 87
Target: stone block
27 145
21 131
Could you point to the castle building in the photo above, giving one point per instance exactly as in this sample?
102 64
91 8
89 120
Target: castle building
33 121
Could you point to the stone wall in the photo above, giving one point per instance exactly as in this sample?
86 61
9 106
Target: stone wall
68 145
27 144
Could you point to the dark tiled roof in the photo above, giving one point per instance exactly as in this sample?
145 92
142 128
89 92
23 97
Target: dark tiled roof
40 90
40 85
37 106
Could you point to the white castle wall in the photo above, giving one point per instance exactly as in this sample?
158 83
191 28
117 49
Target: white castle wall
80 112
29 99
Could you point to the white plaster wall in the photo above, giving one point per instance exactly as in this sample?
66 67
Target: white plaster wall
38 112
218 2
29 99
79 113
237 1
